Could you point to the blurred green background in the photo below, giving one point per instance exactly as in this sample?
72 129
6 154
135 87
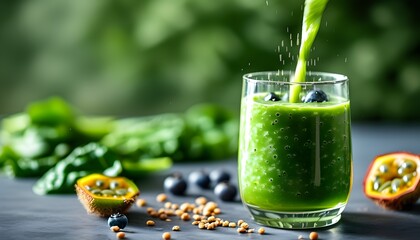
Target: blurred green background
128 57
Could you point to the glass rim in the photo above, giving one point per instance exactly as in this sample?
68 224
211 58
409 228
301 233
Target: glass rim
337 78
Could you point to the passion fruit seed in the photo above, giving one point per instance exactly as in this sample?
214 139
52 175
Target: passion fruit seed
377 184
407 178
99 183
384 186
396 184
406 167
113 184
96 191
385 182
107 192
113 190
384 169
121 191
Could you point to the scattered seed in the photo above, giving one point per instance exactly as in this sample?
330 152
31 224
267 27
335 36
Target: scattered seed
154 214
150 210
244 225
115 228
211 206
201 225
184 207
206 212
163 216
232 224
168 205
211 226
166 236
141 202
120 235
185 216
211 219
161 197
217 211
179 212
313 236
170 212
201 200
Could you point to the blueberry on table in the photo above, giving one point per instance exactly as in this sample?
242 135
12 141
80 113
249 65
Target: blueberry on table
225 191
175 184
272 97
315 96
218 176
200 178
118 219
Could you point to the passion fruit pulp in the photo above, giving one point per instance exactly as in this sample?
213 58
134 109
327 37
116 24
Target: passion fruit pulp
393 180
103 196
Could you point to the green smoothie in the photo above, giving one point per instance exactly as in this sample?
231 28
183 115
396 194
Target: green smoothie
294 156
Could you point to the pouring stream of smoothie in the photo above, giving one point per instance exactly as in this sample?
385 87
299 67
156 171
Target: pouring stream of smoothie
311 21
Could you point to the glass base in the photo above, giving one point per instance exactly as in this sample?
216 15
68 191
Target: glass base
296 220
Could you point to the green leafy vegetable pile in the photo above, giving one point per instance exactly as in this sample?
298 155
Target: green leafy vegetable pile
53 142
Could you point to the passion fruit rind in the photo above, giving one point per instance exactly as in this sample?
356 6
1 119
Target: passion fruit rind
386 181
404 202
103 205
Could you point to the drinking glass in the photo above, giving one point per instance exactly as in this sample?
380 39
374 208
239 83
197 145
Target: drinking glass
295 157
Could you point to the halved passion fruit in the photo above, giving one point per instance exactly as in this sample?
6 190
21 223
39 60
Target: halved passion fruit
392 180
102 195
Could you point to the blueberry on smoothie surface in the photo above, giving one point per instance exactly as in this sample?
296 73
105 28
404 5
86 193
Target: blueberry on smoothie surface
272 96
315 96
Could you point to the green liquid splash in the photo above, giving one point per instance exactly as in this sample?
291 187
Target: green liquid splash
311 20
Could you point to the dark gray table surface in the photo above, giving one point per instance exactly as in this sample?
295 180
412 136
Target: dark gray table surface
24 215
